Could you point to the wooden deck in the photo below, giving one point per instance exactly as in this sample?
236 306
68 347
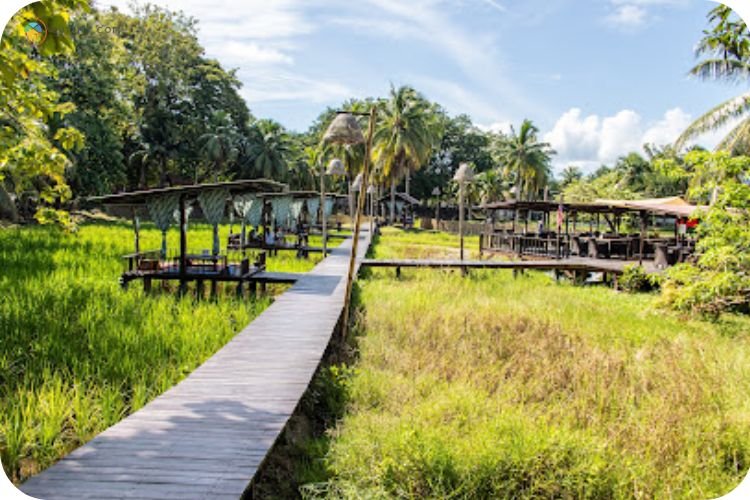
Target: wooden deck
206 437
571 264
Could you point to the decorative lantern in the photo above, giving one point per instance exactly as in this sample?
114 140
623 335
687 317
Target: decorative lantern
344 129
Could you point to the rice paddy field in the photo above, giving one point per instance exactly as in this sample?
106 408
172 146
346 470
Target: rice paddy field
78 353
492 386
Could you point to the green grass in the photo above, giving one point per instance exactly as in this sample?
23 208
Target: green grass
77 353
422 244
495 387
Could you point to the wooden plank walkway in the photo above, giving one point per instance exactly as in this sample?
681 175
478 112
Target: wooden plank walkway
570 264
206 437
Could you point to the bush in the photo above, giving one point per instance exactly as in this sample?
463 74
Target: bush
635 279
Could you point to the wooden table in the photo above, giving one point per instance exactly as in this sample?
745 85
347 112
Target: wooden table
206 261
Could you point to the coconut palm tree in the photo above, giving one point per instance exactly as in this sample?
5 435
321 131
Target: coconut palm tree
526 159
267 150
727 50
404 137
489 186
569 175
219 146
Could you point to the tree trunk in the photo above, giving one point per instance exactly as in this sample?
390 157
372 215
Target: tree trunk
518 196
408 181
393 202
7 206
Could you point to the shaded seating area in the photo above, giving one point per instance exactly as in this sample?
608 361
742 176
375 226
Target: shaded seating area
658 230
166 206
279 221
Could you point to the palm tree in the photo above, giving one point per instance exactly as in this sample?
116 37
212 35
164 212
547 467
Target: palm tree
489 186
219 147
527 159
404 137
633 170
727 47
569 175
267 150
148 156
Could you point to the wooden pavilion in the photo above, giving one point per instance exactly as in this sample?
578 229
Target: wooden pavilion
170 204
286 219
604 229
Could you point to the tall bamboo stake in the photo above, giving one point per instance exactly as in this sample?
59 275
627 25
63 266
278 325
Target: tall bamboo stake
358 220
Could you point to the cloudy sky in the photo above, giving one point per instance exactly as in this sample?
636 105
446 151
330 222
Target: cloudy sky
599 77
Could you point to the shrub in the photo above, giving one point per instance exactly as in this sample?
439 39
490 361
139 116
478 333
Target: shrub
635 279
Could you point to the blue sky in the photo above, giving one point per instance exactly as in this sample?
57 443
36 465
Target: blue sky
599 77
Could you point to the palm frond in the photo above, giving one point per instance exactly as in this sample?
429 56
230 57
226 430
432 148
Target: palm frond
737 139
722 69
716 118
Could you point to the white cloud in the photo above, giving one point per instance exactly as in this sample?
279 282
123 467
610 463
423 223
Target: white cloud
590 141
620 134
628 16
252 53
669 128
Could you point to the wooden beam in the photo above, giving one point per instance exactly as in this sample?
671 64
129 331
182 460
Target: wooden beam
183 244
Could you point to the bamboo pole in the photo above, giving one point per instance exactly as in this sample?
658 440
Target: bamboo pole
357 222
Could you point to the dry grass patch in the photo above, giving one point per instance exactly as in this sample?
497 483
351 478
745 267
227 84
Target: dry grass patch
494 387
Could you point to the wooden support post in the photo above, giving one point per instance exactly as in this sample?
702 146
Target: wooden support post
357 223
398 272
183 246
263 288
214 292
137 230
199 290
240 290
254 288
644 230
147 284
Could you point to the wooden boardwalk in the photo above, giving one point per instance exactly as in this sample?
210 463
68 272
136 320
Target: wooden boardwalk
583 264
206 437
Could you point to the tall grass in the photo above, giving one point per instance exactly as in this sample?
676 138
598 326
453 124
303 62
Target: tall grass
77 353
495 387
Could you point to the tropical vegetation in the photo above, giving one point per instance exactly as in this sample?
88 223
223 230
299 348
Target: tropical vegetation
495 386
725 49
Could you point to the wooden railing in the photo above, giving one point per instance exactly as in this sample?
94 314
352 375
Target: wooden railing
547 245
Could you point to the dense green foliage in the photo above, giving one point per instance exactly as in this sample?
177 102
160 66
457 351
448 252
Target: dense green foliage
32 159
495 387
719 280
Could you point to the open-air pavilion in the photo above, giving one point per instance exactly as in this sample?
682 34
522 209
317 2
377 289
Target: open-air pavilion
165 206
280 221
622 230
